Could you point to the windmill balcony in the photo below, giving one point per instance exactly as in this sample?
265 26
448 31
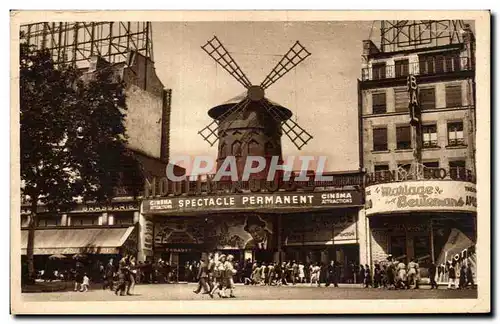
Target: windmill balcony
428 66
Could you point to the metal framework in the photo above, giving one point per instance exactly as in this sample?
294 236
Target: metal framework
399 35
75 42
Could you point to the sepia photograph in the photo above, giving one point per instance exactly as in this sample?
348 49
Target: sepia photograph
286 159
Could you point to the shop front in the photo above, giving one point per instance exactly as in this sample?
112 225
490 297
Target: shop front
429 221
321 237
246 225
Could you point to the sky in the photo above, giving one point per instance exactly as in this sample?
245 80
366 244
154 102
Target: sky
321 91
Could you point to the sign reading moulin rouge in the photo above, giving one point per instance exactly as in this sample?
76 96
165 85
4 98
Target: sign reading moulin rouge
421 195
279 200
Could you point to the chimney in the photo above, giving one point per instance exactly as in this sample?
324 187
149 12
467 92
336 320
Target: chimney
369 48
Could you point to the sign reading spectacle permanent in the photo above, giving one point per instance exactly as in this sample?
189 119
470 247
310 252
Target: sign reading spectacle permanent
276 200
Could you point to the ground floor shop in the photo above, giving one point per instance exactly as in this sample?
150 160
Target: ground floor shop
426 237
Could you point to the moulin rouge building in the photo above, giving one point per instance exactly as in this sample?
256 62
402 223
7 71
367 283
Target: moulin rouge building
313 221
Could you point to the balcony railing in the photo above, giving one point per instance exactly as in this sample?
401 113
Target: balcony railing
429 173
427 66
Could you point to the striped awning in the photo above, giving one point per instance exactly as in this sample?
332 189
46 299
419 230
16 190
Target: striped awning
77 240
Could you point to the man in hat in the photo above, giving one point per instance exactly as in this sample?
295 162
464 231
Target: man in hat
109 274
202 277
261 237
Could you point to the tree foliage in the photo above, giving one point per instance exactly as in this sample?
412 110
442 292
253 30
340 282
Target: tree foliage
72 135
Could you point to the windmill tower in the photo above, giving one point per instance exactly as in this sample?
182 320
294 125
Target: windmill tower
250 124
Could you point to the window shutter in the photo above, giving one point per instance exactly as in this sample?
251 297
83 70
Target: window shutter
401 99
453 96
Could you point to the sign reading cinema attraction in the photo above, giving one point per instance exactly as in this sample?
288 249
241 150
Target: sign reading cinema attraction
421 196
250 201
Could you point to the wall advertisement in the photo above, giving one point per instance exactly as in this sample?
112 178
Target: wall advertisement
421 196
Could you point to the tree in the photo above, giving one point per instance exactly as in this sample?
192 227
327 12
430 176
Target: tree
72 136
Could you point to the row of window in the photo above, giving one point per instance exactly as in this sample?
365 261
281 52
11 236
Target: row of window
427 99
50 221
429 136
430 164
427 64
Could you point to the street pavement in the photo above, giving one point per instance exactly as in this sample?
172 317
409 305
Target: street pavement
304 291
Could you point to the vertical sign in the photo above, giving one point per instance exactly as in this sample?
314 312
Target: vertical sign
415 118
414 106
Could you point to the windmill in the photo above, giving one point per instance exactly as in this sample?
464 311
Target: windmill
247 114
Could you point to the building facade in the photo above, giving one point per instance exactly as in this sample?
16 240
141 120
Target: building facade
104 230
420 183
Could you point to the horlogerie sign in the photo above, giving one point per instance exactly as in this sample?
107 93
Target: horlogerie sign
279 200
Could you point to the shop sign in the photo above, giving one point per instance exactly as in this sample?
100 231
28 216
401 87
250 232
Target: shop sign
279 200
107 208
148 234
421 196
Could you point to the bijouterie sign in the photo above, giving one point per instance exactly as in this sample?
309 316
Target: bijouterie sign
281 200
421 195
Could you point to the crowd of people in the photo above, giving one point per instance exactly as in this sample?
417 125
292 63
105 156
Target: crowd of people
395 274
219 273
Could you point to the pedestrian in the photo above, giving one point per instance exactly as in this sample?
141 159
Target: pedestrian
264 274
377 276
78 275
451 275
229 273
85 283
470 277
412 274
463 277
219 276
295 272
368 276
203 278
109 274
401 278
361 275
383 275
315 273
332 274
256 278
122 282
432 275
301 272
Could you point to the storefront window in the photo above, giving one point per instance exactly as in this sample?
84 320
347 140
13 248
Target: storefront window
398 246
421 248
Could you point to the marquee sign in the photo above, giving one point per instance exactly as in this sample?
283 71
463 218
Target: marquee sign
278 200
421 196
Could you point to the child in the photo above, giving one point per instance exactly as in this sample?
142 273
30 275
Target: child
120 287
85 283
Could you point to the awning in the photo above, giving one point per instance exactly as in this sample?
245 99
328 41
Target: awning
77 240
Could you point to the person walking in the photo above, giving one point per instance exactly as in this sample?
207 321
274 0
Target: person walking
229 272
132 267
295 272
110 271
361 275
377 276
451 275
368 276
219 276
463 277
315 273
412 274
85 283
470 277
432 275
203 278
301 273
331 277
401 278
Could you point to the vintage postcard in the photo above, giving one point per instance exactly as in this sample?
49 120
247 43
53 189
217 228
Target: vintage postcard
250 162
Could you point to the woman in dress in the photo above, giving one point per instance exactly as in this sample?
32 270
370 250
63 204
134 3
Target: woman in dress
315 272
301 273
256 277
402 276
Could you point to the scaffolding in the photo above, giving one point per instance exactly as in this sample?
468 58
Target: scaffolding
74 43
397 35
